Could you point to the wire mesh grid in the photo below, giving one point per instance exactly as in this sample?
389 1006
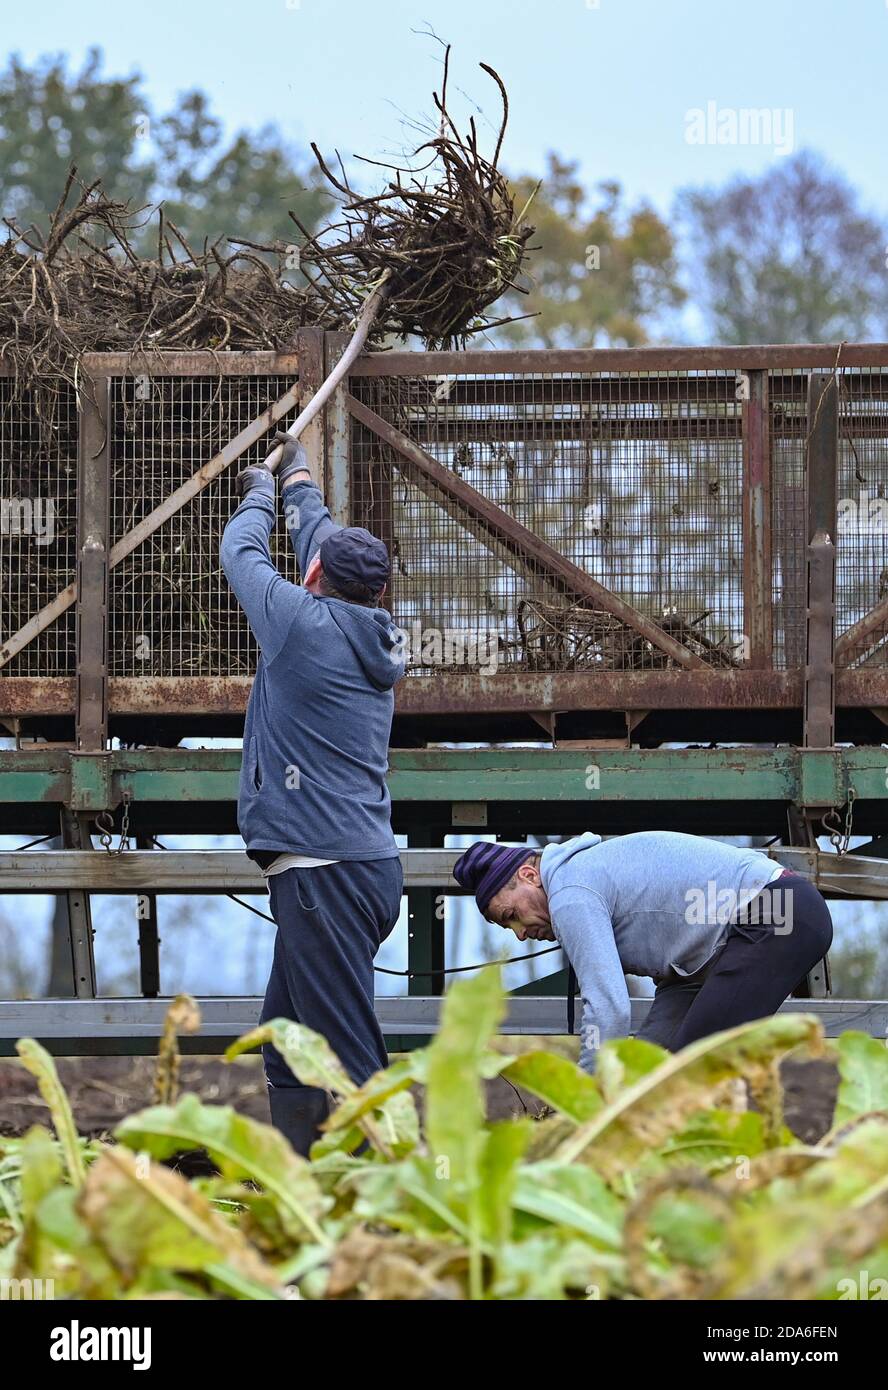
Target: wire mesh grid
862 527
171 610
634 478
38 525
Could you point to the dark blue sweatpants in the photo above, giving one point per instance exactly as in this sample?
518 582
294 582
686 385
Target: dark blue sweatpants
331 921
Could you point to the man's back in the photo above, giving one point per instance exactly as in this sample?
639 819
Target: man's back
668 897
319 718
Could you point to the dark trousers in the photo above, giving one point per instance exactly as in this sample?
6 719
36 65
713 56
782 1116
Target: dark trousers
331 921
777 939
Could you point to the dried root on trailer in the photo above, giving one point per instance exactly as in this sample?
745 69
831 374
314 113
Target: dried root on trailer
572 637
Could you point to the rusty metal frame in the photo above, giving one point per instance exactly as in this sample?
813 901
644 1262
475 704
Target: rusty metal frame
821 473
150 523
653 359
758 686
93 544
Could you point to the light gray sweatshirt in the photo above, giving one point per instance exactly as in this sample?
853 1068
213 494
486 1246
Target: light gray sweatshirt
642 904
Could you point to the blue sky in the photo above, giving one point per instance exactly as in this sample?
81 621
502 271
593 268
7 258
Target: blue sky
608 84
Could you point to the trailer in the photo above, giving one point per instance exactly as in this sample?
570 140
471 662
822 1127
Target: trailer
641 587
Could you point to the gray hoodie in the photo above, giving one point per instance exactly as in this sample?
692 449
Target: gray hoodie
643 904
313 776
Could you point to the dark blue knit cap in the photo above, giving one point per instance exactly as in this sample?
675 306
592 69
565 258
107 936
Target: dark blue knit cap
485 868
352 559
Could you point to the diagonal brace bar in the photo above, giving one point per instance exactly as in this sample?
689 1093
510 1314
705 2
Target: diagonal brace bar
518 540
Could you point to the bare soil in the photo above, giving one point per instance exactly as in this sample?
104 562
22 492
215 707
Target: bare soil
105 1089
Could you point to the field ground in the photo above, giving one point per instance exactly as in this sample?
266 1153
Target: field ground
105 1089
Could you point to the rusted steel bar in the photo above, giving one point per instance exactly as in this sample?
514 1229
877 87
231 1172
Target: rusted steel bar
508 532
27 695
199 362
757 523
608 389
75 836
310 343
149 524
337 426
93 541
857 639
499 429
775 357
652 359
149 934
822 501
519 691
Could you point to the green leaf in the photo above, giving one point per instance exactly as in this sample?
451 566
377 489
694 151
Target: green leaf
57 1245
712 1139
40 1064
455 1111
309 1056
689 1232
553 1265
572 1196
557 1081
412 1195
505 1145
863 1073
454 1098
41 1168
623 1062
375 1091
857 1170
241 1148
398 1123
659 1104
147 1215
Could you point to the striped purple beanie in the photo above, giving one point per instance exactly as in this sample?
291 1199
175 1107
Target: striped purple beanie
485 868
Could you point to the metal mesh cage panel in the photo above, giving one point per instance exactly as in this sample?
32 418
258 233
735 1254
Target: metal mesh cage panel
38 523
636 479
172 612
862 544
862 521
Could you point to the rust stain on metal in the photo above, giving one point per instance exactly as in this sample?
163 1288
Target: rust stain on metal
30 695
780 356
505 693
179 694
169 362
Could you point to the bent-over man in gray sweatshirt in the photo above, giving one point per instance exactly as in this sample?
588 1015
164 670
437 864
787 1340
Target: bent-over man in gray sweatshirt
725 933
313 804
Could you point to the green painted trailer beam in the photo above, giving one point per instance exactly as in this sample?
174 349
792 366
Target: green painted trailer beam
807 777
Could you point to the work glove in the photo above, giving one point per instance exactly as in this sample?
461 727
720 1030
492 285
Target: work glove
294 461
254 478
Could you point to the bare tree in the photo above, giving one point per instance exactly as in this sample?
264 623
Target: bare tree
786 258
